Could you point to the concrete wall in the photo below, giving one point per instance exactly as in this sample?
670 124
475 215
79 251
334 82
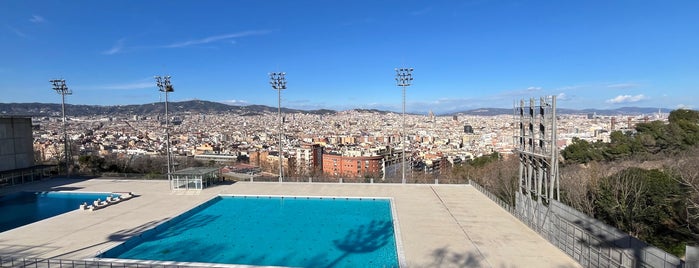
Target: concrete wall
589 241
16 150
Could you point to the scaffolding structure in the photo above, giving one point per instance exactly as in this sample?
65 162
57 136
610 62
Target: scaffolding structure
535 144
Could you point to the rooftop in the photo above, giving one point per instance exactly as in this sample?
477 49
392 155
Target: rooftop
438 225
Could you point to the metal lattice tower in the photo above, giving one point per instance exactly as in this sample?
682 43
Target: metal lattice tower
404 77
164 85
59 85
536 147
278 82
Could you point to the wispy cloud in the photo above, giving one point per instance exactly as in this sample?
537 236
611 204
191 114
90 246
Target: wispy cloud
626 99
236 102
37 19
520 92
359 22
421 11
562 97
623 86
215 38
16 31
683 106
118 47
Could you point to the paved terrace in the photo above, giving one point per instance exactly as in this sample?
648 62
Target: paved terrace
440 225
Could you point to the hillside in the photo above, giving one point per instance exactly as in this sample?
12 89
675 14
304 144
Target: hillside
209 107
192 106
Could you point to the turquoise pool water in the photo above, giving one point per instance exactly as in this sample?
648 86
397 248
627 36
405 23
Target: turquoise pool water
22 208
289 231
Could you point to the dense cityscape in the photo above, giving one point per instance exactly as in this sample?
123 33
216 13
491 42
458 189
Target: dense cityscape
435 142
410 133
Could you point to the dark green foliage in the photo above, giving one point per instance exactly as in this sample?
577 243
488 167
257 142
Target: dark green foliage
582 151
484 160
683 115
652 138
648 204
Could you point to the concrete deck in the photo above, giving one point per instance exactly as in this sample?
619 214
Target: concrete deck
440 225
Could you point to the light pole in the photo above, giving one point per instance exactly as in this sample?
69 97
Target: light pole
404 76
278 82
59 85
164 85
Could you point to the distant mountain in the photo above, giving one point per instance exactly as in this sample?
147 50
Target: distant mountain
208 107
192 106
602 112
372 111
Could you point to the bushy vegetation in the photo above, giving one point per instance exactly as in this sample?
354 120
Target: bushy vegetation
648 141
645 182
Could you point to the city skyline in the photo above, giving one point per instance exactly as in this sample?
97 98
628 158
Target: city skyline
339 55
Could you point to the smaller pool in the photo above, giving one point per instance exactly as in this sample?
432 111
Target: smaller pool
19 209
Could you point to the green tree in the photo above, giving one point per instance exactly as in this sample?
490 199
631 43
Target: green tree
648 204
484 160
581 151
683 115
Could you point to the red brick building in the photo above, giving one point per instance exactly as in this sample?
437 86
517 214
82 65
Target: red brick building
352 166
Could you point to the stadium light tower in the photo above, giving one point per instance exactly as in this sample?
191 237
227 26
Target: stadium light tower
59 85
404 76
278 82
164 85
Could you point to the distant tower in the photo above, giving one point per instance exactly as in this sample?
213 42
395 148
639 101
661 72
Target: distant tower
468 129
628 122
431 115
613 127
455 118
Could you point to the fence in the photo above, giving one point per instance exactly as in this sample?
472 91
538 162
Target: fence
59 263
590 242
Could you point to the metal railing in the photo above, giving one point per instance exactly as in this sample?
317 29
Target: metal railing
590 242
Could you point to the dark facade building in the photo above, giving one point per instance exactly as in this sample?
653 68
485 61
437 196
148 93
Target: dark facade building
468 129
17 152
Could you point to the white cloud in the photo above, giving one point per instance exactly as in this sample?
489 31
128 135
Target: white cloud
534 88
626 99
118 47
37 19
562 96
683 106
215 38
575 87
236 102
623 86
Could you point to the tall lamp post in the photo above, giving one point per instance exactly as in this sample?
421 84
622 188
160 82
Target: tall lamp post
164 85
278 82
59 85
404 76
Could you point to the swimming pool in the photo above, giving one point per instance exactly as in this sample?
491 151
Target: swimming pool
273 231
22 208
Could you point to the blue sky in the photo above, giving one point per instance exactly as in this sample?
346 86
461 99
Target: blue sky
342 54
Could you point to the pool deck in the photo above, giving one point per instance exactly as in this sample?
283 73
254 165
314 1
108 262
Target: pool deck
439 225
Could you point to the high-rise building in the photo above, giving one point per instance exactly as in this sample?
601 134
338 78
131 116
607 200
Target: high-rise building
468 129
